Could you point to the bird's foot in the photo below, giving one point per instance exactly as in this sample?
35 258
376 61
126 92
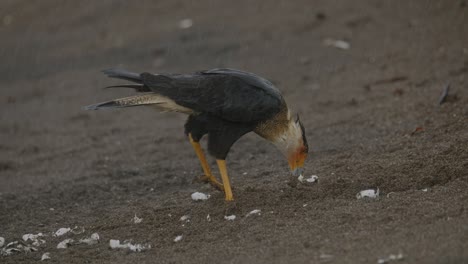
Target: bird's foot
230 208
213 181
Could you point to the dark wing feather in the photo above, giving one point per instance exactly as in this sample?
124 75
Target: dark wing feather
138 87
229 94
122 74
249 78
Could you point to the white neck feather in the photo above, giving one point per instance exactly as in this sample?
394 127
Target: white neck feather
290 139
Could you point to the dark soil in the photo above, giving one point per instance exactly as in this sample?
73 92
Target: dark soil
371 114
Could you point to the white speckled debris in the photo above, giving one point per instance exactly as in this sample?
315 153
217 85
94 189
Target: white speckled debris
35 239
186 23
208 218
230 217
16 247
392 257
311 179
115 244
185 218
136 219
32 237
198 196
65 243
178 238
370 193
45 256
254 212
2 241
92 240
336 43
62 231
9 249
326 257
78 230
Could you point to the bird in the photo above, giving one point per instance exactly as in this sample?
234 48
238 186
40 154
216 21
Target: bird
222 103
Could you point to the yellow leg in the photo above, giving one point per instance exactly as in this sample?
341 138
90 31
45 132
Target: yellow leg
225 178
206 168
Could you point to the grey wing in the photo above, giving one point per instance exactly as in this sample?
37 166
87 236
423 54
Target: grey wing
231 97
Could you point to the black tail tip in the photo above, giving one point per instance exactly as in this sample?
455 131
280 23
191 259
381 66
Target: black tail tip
109 104
91 107
111 71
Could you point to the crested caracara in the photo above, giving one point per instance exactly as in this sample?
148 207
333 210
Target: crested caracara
223 103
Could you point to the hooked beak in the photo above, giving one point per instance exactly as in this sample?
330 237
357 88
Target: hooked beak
297 172
296 163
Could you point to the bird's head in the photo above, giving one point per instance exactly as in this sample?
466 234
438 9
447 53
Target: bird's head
293 143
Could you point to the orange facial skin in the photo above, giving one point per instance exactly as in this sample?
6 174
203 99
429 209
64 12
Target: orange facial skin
297 158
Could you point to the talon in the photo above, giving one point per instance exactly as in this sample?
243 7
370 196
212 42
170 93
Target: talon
212 180
208 177
230 208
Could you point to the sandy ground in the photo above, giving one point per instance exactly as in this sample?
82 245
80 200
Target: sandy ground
371 114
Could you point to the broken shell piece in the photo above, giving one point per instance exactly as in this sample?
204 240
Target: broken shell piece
11 248
178 238
370 193
339 44
32 237
136 219
326 257
115 244
62 231
8 251
12 244
65 243
92 240
198 196
300 178
311 179
27 249
230 217
2 241
254 212
78 230
185 218
35 239
16 246
392 257
186 23
45 256
38 242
